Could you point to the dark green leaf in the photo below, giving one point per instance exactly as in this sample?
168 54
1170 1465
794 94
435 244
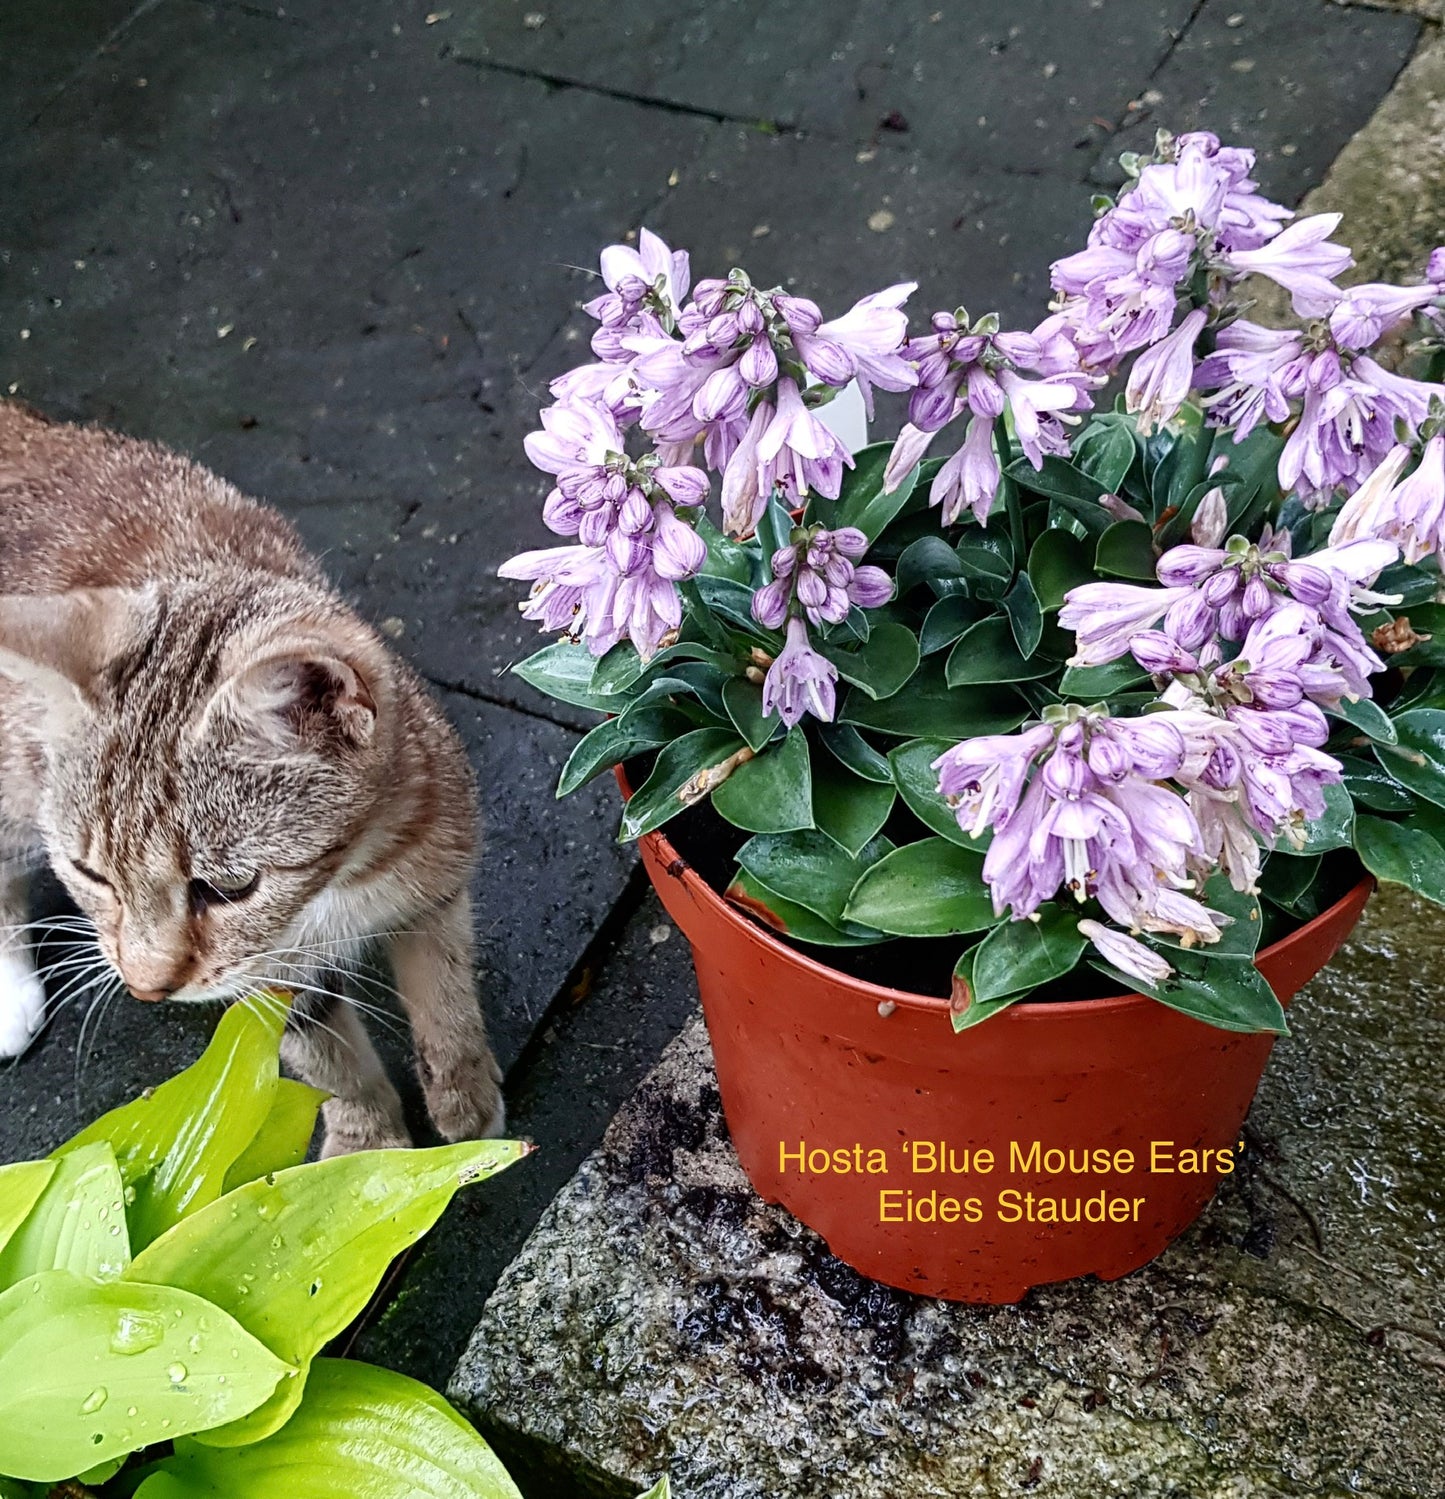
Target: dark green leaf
924 560
947 620
1230 993
565 672
1018 956
726 558
733 602
987 652
928 707
1286 882
882 666
849 809
775 530
1092 684
917 783
1418 760
1025 617
861 501
656 800
1374 787
1058 562
1106 451
1126 550
771 793
790 919
1336 829
618 669
1368 717
1404 853
617 740
855 752
932 888
810 869
1059 480
1416 585
744 703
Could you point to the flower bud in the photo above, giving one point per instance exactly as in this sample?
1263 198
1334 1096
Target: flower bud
1219 589
1182 565
759 364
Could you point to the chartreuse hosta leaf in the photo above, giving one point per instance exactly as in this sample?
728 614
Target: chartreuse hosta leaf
284 1136
78 1223
932 888
175 1145
20 1189
91 1371
771 793
360 1433
295 1256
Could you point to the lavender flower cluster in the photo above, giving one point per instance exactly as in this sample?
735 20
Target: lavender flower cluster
1247 646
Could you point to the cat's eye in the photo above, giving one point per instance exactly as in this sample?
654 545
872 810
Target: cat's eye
86 872
206 893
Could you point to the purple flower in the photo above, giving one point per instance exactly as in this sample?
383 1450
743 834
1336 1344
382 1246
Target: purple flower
1364 314
800 680
1371 510
983 778
1162 375
1040 407
573 589
864 344
1254 372
1106 616
797 453
1125 954
1300 259
744 493
651 272
969 480
820 572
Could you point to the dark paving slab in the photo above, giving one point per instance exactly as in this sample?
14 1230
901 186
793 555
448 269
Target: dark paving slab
1295 80
319 261
630 1000
43 44
1028 85
549 875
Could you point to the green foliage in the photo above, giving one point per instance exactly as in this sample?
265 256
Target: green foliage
202 1350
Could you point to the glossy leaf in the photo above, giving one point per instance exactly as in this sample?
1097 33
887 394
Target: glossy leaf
617 740
744 702
1368 717
1058 562
78 1224
947 620
20 1187
1106 451
850 747
1372 786
1025 617
296 1256
1092 684
361 1433
1336 829
1403 853
564 671
1418 759
1126 550
1230 994
927 707
917 783
771 793
726 558
733 602
932 888
656 800
882 666
926 560
774 531
810 869
174 1145
1058 479
1018 956
90 1372
849 809
861 501
1286 882
284 1137
789 919
967 1012
1238 940
988 653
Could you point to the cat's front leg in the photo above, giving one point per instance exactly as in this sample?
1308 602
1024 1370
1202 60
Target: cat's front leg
433 965
22 996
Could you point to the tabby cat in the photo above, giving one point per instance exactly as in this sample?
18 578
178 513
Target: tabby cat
237 782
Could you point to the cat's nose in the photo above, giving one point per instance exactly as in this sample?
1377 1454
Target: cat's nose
150 996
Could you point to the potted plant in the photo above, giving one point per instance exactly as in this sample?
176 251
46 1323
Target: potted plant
1087 739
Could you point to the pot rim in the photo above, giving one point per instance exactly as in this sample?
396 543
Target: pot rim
905 999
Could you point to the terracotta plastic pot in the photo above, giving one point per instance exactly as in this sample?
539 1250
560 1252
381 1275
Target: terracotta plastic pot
817 1070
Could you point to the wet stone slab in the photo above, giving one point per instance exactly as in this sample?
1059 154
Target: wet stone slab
662 1317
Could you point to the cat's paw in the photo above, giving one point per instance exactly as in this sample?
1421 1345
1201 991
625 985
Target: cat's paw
465 1099
352 1126
22 1004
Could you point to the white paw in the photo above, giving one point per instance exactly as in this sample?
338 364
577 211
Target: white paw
22 1004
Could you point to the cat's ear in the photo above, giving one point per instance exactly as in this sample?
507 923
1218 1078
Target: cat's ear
55 646
312 690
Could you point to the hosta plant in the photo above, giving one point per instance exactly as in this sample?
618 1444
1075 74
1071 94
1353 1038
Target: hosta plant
1085 690
170 1277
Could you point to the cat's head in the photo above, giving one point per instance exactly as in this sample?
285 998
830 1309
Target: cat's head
210 759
